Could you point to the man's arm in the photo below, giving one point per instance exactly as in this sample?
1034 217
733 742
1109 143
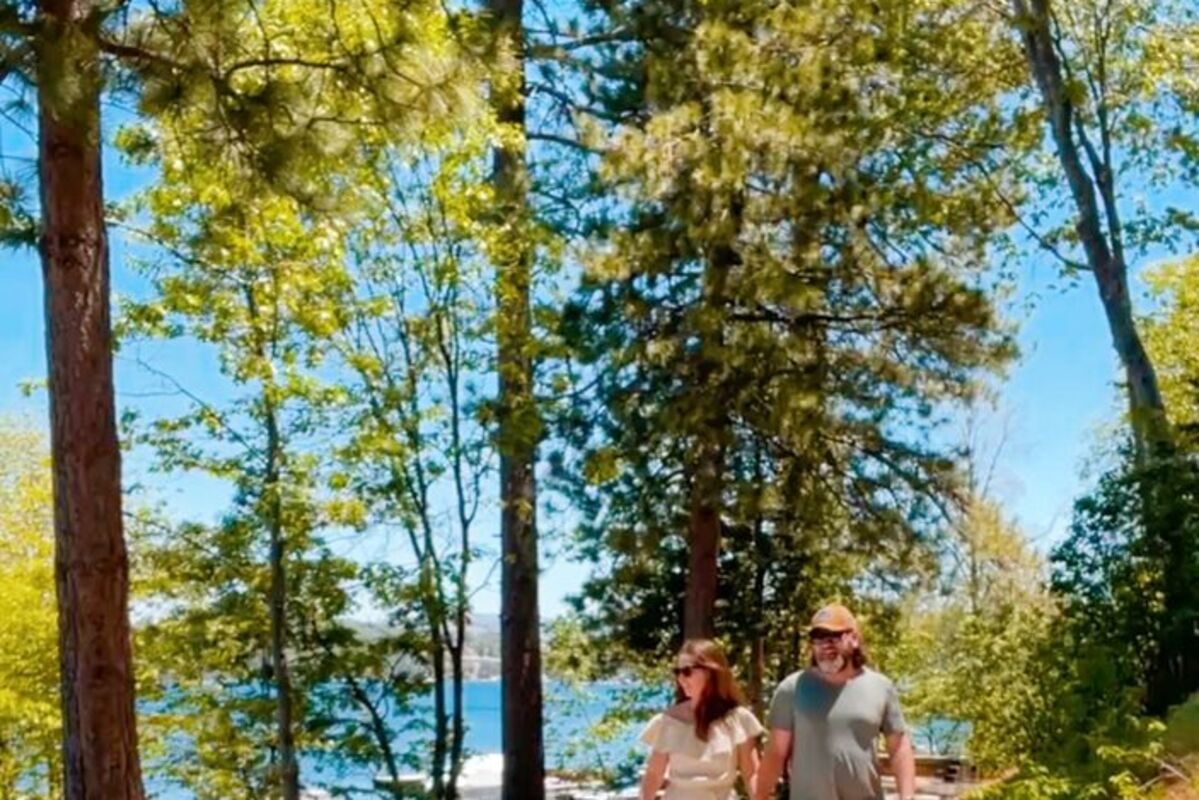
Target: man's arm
778 750
903 764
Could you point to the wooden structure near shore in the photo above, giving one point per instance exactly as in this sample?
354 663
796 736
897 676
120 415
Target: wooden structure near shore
937 776
947 768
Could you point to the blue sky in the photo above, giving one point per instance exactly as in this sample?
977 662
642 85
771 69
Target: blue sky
1053 403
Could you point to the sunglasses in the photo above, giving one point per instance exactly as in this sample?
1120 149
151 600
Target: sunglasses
824 636
685 672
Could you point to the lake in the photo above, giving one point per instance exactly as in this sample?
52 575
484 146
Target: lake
568 718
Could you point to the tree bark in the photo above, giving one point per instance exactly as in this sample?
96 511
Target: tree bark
289 768
461 593
707 470
271 514
441 729
458 723
524 760
699 605
519 424
1104 250
761 556
100 756
381 732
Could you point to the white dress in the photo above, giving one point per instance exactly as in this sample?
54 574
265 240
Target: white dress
701 770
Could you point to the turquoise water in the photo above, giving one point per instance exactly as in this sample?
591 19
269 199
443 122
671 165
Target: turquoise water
569 717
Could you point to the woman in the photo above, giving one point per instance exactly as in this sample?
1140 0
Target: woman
700 742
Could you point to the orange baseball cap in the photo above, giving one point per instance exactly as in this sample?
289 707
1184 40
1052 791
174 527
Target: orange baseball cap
834 617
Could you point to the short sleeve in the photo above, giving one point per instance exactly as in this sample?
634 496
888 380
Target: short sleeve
893 721
652 734
746 726
782 705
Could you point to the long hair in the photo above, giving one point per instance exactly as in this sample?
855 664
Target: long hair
720 695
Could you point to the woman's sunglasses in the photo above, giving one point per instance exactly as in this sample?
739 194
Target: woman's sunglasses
684 672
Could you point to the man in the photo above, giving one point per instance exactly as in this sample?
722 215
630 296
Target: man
826 719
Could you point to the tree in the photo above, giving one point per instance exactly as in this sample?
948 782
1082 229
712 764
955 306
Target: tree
30 717
100 755
971 650
1170 332
248 289
996 658
281 103
1030 693
1127 573
1169 335
1110 81
100 740
260 594
791 289
1105 73
518 424
414 341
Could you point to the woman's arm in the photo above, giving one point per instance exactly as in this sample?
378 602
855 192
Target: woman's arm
747 759
655 774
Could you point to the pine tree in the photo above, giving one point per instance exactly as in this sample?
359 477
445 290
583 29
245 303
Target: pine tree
799 268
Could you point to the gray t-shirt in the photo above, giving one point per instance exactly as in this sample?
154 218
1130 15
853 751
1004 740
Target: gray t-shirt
835 728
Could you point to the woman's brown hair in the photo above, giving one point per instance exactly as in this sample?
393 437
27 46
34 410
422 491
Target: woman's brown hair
721 693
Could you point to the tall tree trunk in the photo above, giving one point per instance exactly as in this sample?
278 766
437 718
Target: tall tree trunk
441 733
524 761
707 479
424 544
449 353
1104 249
794 654
289 768
461 604
699 605
271 510
100 758
757 673
458 727
761 556
519 423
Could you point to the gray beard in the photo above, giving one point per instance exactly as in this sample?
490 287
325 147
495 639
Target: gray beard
831 666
